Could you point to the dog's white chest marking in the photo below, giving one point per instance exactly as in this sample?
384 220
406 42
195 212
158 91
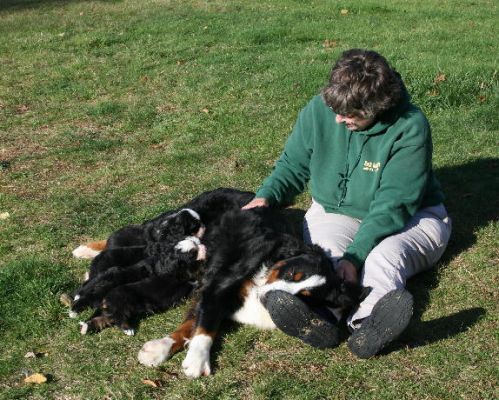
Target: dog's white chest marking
253 312
188 244
197 360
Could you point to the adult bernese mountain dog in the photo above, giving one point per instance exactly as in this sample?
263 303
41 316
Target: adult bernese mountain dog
232 257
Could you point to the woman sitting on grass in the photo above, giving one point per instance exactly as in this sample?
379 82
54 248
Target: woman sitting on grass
377 207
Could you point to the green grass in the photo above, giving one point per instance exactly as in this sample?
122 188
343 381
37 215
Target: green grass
112 111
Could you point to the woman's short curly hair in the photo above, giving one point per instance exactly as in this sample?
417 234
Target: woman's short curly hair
362 84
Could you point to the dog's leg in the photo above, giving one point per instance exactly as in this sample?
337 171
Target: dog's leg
155 352
89 250
197 360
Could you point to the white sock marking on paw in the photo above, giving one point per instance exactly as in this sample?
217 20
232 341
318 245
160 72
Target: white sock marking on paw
84 328
293 287
188 244
129 332
72 314
154 352
77 297
197 360
85 252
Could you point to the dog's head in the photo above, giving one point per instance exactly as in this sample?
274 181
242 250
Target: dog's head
184 223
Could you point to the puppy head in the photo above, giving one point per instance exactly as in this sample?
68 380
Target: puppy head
186 222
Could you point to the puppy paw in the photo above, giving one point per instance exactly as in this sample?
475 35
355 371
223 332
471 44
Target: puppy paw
197 360
83 327
85 252
154 352
129 332
188 244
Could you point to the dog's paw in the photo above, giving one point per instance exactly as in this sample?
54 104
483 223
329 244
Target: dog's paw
85 252
129 332
197 360
154 352
188 244
83 327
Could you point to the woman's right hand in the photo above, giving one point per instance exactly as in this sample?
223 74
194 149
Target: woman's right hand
256 202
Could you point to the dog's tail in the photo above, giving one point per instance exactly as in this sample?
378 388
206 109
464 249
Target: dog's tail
89 250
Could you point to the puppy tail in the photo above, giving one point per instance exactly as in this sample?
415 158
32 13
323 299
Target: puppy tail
89 250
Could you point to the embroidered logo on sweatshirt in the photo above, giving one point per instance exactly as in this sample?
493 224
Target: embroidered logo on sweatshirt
371 166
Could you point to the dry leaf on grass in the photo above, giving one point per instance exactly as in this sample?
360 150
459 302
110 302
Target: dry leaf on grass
37 379
329 43
4 215
66 300
205 110
22 108
344 11
440 78
152 383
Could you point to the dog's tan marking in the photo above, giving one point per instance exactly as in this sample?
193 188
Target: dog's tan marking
273 274
182 335
298 276
306 293
98 245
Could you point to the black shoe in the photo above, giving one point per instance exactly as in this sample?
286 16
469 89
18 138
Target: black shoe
388 319
292 316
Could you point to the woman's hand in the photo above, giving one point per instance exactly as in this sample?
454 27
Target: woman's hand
347 271
256 202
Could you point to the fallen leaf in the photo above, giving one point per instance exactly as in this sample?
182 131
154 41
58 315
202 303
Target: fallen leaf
205 110
150 382
81 13
433 93
37 379
330 43
22 108
61 34
440 78
482 98
30 354
344 11
180 62
66 300
4 215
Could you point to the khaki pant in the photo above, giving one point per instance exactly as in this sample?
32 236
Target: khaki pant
416 248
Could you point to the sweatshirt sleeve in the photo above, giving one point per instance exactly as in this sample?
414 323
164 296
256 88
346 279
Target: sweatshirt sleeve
291 171
402 188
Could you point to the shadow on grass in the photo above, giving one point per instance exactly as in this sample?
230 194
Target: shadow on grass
26 4
472 192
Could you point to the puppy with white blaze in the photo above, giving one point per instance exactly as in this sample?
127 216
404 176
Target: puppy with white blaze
248 254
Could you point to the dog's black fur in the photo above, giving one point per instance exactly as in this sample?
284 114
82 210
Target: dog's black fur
141 272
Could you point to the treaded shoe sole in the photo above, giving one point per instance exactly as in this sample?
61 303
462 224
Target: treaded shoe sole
292 316
389 318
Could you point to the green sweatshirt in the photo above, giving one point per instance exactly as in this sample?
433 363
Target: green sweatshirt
381 175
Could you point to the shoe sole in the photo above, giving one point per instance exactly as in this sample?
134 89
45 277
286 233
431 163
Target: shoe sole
389 318
294 317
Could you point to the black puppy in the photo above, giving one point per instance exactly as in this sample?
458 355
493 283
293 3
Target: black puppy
148 268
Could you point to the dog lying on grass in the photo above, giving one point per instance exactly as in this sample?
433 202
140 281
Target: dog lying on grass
232 257
148 268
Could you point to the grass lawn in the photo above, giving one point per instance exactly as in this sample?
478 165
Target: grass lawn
113 111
